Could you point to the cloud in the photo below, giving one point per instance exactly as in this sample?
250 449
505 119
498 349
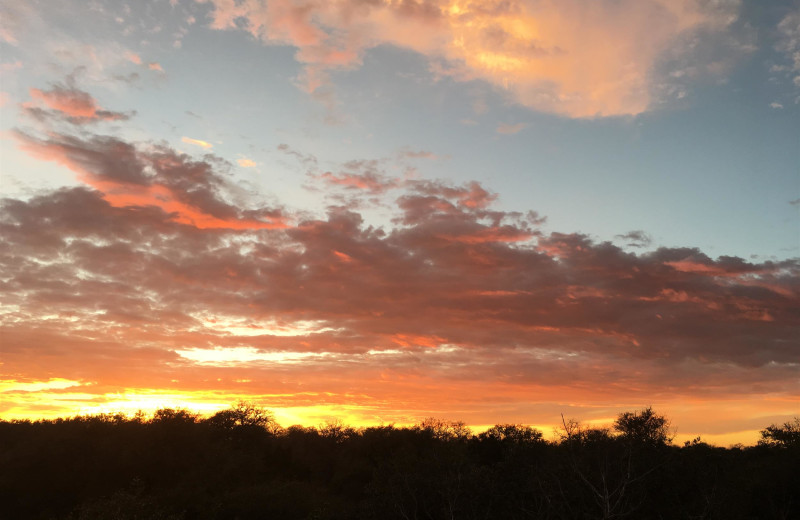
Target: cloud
454 293
360 175
417 154
306 159
189 192
159 275
15 18
130 78
509 129
788 43
571 57
133 57
155 66
246 163
637 238
71 104
197 142
370 181
8 67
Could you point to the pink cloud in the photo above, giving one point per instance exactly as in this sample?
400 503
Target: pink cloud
509 129
68 102
133 58
367 181
72 102
472 196
190 192
545 55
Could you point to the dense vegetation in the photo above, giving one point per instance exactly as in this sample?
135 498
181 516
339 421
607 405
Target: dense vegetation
239 464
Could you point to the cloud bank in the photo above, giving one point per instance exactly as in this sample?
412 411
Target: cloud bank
159 274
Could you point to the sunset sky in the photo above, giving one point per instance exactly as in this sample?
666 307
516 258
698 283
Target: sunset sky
383 210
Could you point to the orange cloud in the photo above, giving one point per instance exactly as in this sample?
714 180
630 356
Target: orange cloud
571 57
246 163
69 103
96 163
73 103
148 285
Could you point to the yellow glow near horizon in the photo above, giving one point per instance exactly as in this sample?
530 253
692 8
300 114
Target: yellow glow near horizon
13 385
205 403
63 397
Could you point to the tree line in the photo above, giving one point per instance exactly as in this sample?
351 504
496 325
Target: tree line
240 464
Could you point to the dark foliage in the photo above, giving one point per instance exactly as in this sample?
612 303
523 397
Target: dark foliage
240 464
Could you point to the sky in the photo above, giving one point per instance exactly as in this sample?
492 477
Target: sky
379 211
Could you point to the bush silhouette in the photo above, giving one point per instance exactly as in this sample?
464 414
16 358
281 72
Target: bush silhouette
240 464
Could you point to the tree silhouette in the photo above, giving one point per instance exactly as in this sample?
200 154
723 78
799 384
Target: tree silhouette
239 464
644 427
785 436
245 414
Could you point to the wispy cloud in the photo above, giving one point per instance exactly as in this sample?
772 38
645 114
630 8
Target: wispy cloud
197 142
509 129
788 44
133 57
637 238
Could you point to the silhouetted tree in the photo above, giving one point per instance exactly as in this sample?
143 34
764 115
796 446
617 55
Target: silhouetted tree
444 430
512 433
785 436
171 415
644 427
245 414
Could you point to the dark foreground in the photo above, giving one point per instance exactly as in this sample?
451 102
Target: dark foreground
239 464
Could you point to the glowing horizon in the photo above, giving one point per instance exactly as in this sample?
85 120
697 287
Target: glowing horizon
133 402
